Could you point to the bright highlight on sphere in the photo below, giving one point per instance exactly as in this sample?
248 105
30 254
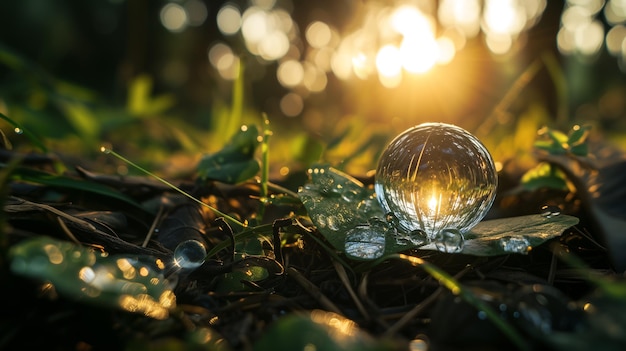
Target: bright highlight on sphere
436 177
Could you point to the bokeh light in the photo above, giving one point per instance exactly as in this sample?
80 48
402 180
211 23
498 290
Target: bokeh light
229 19
174 17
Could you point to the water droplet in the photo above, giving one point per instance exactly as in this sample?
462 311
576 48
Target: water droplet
18 130
189 254
367 205
333 222
418 237
482 315
435 176
350 195
392 219
449 240
515 244
365 242
105 150
321 221
550 211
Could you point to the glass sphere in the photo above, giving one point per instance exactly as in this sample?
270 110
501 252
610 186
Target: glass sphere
189 254
436 176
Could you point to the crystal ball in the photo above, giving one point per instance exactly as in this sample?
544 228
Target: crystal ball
434 177
189 254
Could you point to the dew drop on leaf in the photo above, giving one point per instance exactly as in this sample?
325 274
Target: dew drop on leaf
436 176
449 240
365 242
550 211
515 244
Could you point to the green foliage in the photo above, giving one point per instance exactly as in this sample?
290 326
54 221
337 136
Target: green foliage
555 142
30 175
233 281
236 161
141 104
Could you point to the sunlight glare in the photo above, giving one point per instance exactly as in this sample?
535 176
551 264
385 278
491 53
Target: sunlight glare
446 50
504 17
388 61
461 14
432 203
361 65
419 53
408 20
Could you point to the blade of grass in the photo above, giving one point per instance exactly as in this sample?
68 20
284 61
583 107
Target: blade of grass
456 288
32 137
174 187
265 165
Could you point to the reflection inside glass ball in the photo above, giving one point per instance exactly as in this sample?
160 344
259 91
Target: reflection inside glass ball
436 176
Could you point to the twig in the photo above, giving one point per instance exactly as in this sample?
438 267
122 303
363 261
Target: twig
314 291
343 275
67 231
153 227
81 223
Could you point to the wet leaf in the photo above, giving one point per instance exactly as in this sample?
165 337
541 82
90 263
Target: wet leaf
339 205
511 235
130 283
249 266
235 163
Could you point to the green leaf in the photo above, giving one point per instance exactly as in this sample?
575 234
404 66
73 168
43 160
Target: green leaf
578 135
319 330
233 281
550 147
130 283
244 249
580 149
39 177
338 205
544 176
235 163
513 234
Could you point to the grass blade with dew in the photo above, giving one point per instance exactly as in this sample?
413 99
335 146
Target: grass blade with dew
20 130
109 151
265 166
